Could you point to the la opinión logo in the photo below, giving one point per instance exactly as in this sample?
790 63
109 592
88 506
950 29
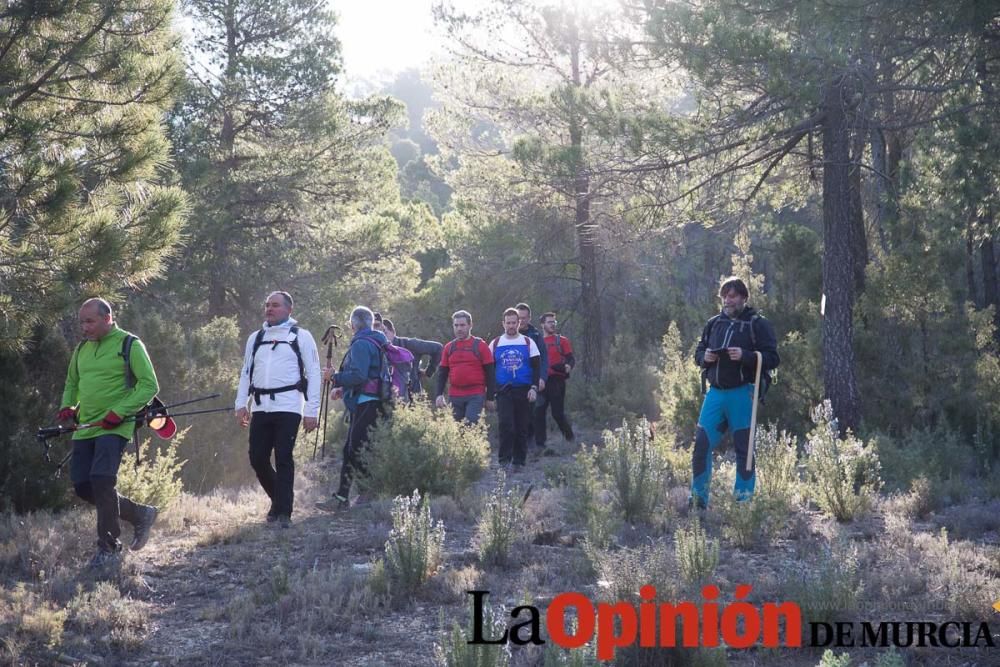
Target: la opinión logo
651 624
737 625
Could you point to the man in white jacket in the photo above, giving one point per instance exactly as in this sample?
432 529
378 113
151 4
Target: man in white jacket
281 380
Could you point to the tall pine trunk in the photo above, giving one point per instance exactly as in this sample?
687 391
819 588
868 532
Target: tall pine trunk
839 262
587 239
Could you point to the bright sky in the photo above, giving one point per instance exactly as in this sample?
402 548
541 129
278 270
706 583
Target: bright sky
384 36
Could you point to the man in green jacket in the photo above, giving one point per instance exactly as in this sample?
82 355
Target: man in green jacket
100 390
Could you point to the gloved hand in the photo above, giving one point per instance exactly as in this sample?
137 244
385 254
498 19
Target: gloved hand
66 415
111 420
560 367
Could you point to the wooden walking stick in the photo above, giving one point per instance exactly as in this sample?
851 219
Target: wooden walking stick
753 409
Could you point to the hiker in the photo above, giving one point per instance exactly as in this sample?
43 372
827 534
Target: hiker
561 363
467 368
518 371
400 361
363 382
419 349
528 329
726 356
110 378
281 379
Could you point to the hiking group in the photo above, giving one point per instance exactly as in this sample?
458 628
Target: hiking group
521 374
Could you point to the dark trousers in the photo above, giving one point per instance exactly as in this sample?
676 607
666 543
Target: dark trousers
554 395
514 416
94 473
362 421
275 431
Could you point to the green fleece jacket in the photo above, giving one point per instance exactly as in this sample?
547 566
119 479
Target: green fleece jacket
95 383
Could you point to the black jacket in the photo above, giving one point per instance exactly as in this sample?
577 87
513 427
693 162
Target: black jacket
721 331
543 351
420 348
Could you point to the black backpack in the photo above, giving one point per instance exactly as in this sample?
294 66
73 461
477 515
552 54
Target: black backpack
302 385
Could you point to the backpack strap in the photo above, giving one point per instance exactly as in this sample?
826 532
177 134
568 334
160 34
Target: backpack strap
127 356
303 383
453 345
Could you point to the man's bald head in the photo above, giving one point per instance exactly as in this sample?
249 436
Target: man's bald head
96 318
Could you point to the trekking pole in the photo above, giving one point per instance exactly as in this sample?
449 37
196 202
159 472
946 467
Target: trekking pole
753 410
330 338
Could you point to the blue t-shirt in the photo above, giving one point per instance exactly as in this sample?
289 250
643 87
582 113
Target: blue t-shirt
512 358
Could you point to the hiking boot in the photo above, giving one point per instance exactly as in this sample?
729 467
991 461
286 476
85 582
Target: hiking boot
516 468
147 517
569 436
284 521
104 559
271 517
337 503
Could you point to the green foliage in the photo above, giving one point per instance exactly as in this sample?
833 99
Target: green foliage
421 448
415 546
157 480
29 396
456 651
697 555
679 393
637 467
831 659
777 465
500 523
86 207
590 503
192 360
843 473
746 523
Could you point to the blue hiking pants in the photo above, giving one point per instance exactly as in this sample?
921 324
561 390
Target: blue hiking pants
723 409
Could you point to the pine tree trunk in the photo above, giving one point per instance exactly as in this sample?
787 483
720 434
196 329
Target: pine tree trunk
587 241
839 372
991 297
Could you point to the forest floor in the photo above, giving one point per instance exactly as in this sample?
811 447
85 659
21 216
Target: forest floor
217 585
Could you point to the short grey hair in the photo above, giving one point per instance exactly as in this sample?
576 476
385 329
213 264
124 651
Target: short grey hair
103 307
362 317
462 313
284 295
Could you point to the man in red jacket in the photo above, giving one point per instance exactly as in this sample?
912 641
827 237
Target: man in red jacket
561 362
467 364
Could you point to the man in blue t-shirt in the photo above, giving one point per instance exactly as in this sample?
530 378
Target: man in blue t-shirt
518 369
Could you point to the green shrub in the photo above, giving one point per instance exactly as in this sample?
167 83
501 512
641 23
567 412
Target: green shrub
679 394
456 651
697 556
500 524
427 450
415 546
844 473
637 466
589 499
157 480
776 461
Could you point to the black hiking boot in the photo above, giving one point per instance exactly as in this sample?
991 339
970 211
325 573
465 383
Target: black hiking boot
144 524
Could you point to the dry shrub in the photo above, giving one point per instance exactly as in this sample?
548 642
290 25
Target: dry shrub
104 612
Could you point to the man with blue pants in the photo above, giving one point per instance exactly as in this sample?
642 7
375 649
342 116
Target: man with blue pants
726 355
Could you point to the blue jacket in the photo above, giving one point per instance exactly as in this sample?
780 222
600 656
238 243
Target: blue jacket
362 362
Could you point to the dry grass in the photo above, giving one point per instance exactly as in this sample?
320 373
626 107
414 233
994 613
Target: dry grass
238 591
